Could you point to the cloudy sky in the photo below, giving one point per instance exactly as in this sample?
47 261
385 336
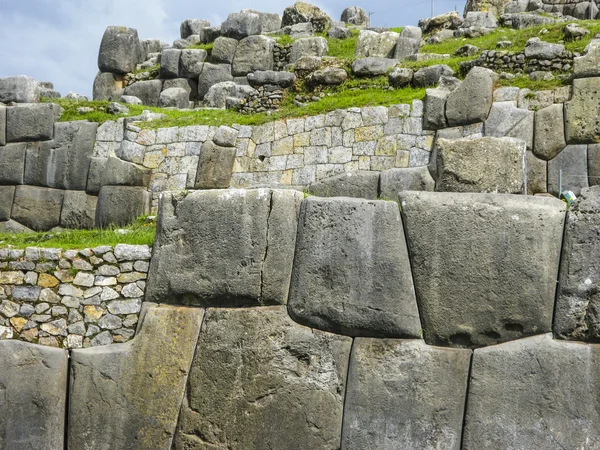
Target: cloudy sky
58 40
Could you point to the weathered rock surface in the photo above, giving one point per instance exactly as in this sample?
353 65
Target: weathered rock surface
393 181
358 184
147 91
129 395
290 388
486 164
253 53
30 122
450 20
434 113
568 170
577 314
355 15
377 45
121 205
329 76
549 134
223 50
217 95
213 74
588 65
12 164
191 63
242 242
33 383
19 89
120 50
169 62
406 47
302 12
107 86
495 258
537 174
190 27
506 120
270 22
594 164
528 394
372 66
535 48
265 77
78 210
7 194
336 286
174 98
582 112
394 398
37 208
400 77
480 19
309 46
214 166
241 25
471 101
431 75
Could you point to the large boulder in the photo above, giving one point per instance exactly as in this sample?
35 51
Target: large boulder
537 175
147 91
406 47
253 53
242 243
121 205
358 184
379 45
169 63
30 122
535 48
520 21
191 63
594 164
495 260
12 164
37 208
387 408
582 112
7 194
78 210
174 98
120 50
355 15
19 89
505 119
33 382
400 77
213 74
271 77
568 170
434 111
241 25
288 394
190 86
472 100
310 46
329 76
107 86
270 22
190 27
393 181
335 287
217 95
527 394
486 164
301 12
129 395
577 302
117 172
372 67
339 33
223 50
480 20
431 75
214 166
549 132
588 65
451 20
495 7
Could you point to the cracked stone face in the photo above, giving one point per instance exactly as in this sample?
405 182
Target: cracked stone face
230 248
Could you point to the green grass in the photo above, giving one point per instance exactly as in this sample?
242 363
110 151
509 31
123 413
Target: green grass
523 82
397 29
140 233
453 62
154 69
343 48
207 47
284 40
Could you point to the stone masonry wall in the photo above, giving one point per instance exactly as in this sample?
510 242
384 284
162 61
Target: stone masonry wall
72 298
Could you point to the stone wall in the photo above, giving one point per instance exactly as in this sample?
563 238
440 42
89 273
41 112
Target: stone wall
72 298
517 62
263 306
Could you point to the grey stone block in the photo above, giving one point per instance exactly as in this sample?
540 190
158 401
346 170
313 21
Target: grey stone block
290 391
269 21
471 101
495 259
593 164
266 77
241 25
169 63
37 208
226 136
378 45
30 122
191 63
215 166
395 399
120 50
578 302
549 132
537 174
505 119
309 46
33 381
588 64
572 162
95 175
108 86
358 184
582 112
19 89
253 53
147 91
12 164
393 181
372 66
190 27
486 164
121 205
116 172
211 75
191 86
528 394
174 98
78 210
356 16
7 194
224 50
241 241
430 76
12 226
351 269
2 126
129 395
405 47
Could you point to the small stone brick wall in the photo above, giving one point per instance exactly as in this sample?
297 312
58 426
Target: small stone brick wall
518 63
72 298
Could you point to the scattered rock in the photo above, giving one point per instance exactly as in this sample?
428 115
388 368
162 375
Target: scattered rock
378 45
355 15
372 67
330 76
467 50
471 101
117 108
174 98
302 12
574 32
400 77
430 76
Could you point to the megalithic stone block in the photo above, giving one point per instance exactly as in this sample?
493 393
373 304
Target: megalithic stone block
396 397
30 122
37 207
534 393
129 395
351 269
121 205
225 247
261 381
578 301
484 265
33 396
582 111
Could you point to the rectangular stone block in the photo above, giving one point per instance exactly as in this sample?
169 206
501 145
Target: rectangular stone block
215 166
568 170
484 265
30 122
242 242
12 164
78 211
121 205
2 125
594 164
37 208
7 194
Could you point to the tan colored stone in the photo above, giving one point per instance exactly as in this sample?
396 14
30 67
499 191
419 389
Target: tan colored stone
46 280
302 139
131 277
402 157
283 146
153 160
11 277
286 178
18 323
368 133
92 313
29 335
386 146
65 276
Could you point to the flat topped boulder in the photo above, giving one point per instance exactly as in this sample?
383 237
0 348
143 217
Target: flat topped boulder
495 259
535 48
451 20
120 50
19 89
240 241
241 25
355 15
487 164
190 27
579 279
588 65
351 269
534 393
301 12
253 53
259 380
378 45
582 112
358 184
